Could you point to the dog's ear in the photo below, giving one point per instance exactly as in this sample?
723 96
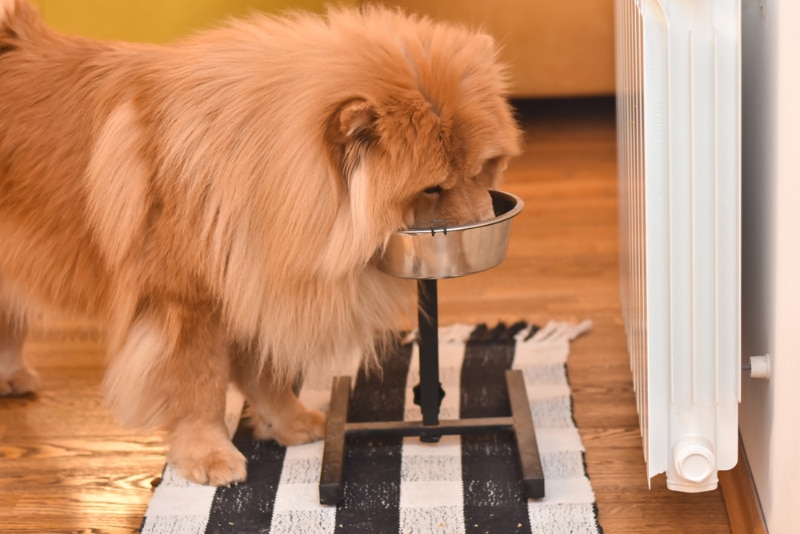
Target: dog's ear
355 118
492 171
351 130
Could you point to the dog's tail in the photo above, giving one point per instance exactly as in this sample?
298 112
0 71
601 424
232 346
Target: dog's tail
19 22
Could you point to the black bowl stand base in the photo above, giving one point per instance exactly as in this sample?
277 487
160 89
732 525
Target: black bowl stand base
428 394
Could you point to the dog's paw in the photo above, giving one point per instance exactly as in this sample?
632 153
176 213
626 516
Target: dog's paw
305 427
217 467
21 382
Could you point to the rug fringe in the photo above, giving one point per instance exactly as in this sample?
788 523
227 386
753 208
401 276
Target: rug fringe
555 330
456 333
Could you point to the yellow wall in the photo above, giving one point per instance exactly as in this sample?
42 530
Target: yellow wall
553 48
155 21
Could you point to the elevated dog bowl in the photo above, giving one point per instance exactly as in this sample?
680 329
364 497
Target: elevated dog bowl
444 252
429 254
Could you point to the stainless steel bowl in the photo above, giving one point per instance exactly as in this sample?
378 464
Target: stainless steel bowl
443 252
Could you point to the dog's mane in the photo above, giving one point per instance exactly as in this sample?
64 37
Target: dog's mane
380 56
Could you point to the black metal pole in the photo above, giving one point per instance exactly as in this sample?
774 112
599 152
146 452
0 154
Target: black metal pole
430 390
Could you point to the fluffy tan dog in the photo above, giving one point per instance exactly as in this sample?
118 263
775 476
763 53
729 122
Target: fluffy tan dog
219 202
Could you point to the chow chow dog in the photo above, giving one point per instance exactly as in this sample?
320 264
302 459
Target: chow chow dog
219 202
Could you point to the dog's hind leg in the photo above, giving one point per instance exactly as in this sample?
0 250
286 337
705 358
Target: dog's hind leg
277 413
172 372
16 378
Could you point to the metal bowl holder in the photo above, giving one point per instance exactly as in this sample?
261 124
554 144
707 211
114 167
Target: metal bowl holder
428 395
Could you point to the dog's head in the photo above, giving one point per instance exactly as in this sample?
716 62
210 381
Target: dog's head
429 130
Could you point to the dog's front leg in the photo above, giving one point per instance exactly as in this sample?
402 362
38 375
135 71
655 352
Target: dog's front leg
202 451
16 378
276 412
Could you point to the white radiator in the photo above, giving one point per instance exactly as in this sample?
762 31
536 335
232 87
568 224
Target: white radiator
678 121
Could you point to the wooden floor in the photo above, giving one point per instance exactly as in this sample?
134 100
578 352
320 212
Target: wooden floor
65 465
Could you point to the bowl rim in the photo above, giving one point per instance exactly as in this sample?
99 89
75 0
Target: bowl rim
513 212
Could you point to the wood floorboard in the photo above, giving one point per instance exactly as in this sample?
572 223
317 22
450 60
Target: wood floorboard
66 466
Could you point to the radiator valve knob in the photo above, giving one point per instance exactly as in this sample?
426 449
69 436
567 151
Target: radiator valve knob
694 459
759 367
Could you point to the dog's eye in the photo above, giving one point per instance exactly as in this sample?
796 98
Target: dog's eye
435 190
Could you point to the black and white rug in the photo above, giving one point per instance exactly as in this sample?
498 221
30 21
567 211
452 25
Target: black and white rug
463 484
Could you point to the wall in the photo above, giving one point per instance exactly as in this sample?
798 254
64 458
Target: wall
154 20
562 48
770 410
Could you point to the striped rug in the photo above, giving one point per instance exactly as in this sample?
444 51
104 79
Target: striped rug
463 484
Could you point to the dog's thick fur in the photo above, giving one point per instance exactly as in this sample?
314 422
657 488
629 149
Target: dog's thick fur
219 202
